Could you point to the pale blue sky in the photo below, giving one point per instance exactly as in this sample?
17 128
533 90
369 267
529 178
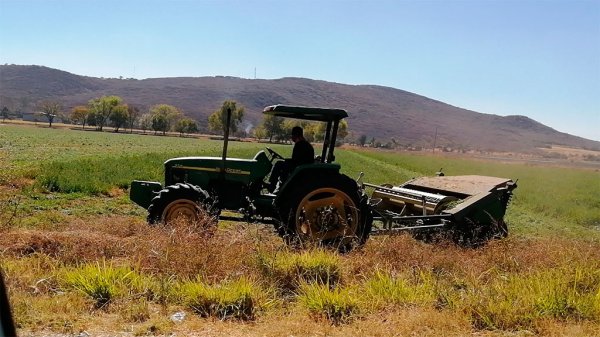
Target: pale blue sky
535 58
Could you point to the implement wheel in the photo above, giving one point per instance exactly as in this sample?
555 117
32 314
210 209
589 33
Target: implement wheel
181 201
329 212
475 234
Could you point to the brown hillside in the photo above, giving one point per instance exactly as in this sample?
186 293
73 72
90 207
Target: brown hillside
375 111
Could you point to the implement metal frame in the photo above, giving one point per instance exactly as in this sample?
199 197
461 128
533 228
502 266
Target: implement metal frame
394 222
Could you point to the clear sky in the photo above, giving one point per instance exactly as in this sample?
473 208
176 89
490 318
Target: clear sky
535 58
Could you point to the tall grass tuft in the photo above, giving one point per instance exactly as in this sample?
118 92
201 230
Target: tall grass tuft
240 299
104 282
518 301
337 305
290 269
384 289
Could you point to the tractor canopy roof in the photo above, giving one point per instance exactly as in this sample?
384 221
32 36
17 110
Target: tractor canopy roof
307 113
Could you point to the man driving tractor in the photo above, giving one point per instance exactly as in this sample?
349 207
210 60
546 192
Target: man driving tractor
303 153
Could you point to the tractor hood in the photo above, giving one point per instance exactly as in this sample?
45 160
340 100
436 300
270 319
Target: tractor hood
207 168
212 164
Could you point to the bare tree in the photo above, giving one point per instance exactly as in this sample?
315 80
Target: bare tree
50 110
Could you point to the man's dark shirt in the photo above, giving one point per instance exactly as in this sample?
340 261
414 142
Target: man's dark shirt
303 153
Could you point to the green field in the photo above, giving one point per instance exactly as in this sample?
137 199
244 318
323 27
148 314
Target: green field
72 240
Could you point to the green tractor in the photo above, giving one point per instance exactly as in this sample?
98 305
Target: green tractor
315 204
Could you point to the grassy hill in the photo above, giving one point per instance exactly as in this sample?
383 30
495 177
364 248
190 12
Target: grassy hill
375 111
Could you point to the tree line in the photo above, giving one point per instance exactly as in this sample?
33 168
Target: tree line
112 111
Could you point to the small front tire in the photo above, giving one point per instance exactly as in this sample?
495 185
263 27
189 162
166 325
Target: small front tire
180 201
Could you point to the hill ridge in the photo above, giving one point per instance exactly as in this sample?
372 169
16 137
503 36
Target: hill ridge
379 112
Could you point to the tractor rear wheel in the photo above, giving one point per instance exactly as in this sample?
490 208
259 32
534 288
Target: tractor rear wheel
181 201
328 211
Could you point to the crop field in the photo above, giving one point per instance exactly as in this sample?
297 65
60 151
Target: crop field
78 256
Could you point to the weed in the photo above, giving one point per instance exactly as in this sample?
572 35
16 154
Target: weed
289 269
337 305
104 282
384 289
239 299
136 312
518 301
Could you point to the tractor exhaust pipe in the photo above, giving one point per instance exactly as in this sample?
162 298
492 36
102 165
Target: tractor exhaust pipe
226 140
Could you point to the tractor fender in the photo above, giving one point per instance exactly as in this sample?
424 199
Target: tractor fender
303 174
142 192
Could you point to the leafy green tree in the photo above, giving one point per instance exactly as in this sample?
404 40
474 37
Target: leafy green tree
217 121
186 125
286 129
5 114
146 122
160 123
163 117
7 102
362 140
273 126
192 126
321 128
133 115
102 108
259 132
119 116
311 131
79 114
342 130
50 109
91 118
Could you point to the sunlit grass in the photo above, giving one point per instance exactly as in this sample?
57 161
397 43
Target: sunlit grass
337 305
239 299
291 269
103 282
517 301
76 234
96 163
383 290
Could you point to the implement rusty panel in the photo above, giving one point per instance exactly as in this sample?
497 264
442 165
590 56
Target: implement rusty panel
469 185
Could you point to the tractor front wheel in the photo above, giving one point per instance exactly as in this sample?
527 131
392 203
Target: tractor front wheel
330 212
181 201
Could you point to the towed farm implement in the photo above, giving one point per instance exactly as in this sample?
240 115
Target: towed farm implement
317 203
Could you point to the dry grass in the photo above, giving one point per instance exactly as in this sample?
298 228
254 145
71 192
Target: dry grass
393 284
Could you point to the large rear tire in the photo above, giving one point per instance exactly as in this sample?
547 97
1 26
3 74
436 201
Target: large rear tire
328 211
181 201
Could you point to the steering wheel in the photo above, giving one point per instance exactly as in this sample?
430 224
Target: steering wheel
274 155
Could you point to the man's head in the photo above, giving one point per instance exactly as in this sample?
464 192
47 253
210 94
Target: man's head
297 134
